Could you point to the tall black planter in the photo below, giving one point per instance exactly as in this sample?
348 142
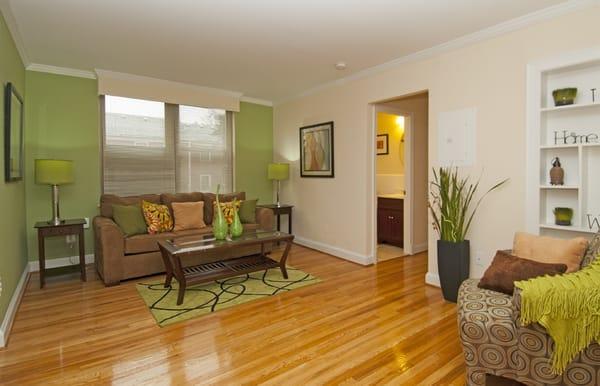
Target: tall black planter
453 266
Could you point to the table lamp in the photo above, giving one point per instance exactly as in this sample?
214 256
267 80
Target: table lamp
278 172
54 172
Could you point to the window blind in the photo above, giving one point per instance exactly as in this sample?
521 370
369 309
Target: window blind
204 150
153 147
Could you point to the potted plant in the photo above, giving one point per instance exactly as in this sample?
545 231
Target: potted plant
451 200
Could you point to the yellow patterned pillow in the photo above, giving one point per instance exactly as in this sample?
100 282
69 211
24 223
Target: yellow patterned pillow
158 218
227 208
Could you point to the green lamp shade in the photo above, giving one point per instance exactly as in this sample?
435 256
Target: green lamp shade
53 171
278 171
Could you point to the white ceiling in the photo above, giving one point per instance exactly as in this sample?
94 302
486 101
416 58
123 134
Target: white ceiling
268 49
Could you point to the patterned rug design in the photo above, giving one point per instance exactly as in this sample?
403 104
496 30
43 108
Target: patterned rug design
206 298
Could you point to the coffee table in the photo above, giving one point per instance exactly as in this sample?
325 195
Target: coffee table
173 250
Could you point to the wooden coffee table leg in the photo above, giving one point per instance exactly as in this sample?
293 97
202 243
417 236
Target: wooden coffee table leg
168 266
178 272
181 292
283 259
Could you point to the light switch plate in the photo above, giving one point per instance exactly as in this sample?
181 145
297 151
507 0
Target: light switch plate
87 222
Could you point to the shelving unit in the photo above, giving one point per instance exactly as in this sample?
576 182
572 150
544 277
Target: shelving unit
571 133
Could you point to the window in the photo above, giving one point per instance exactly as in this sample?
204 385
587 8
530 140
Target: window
203 150
153 147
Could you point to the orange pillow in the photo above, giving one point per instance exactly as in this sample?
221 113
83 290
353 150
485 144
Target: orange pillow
550 250
188 215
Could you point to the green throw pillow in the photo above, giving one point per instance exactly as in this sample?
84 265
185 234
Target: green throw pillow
130 219
247 211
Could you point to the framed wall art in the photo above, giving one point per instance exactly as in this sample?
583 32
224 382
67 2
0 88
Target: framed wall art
316 150
13 134
382 144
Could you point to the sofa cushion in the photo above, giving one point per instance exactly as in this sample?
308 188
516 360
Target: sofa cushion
228 208
506 269
550 250
210 198
108 200
169 198
148 243
130 219
188 215
158 217
247 211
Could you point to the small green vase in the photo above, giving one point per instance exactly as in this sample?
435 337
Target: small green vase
219 223
236 226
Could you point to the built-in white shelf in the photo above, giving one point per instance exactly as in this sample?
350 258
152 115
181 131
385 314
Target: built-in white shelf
560 187
552 147
568 228
571 107
580 161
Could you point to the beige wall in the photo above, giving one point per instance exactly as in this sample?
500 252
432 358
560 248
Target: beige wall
418 107
490 76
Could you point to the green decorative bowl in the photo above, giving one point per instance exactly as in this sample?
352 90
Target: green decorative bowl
564 96
563 216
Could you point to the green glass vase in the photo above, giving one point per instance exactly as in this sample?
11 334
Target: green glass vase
219 223
236 226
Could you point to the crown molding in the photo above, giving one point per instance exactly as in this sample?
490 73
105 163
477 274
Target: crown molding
256 101
476 37
60 70
11 23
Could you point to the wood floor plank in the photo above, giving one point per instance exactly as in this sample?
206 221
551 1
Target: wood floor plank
360 325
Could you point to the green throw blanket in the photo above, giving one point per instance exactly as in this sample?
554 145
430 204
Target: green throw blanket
568 306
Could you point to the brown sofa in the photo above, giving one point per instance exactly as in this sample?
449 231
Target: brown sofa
118 257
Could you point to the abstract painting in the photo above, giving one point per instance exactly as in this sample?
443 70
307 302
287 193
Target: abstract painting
316 150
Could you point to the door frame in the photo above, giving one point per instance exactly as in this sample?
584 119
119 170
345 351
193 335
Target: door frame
408 175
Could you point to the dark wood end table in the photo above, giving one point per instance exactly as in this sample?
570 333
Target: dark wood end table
174 250
278 211
65 228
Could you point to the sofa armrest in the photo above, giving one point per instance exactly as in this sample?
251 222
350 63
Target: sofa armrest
265 218
109 249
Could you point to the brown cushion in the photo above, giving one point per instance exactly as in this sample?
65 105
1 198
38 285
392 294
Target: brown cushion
210 198
108 200
148 243
506 269
169 198
550 250
188 215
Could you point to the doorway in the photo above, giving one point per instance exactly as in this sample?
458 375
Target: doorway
400 175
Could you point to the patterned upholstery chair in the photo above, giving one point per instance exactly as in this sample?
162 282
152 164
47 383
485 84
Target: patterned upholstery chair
496 344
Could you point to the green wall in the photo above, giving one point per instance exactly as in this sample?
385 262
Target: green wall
254 151
12 204
62 122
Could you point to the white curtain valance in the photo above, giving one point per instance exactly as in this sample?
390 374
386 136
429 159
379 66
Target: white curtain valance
142 87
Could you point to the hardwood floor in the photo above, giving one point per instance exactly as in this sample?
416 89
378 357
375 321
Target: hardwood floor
360 325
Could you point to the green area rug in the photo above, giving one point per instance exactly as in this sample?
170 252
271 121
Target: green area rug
206 298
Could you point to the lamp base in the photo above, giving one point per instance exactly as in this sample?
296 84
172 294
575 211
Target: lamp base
55 208
56 221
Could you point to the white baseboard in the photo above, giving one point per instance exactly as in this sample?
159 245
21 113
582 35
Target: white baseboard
34 266
335 251
13 306
432 279
418 248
